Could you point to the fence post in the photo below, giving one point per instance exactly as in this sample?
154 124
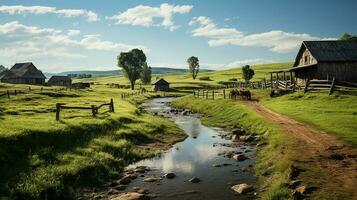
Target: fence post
224 93
306 85
15 92
29 89
93 110
8 94
58 110
212 94
111 105
332 86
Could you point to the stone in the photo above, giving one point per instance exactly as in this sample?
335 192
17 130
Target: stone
246 138
235 138
216 165
293 184
170 175
238 131
131 196
140 190
195 180
239 157
120 187
152 179
125 180
112 191
336 156
243 188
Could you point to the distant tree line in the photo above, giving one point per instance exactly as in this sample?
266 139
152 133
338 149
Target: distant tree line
347 36
79 75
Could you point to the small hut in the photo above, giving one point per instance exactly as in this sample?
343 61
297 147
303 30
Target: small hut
161 85
23 73
60 81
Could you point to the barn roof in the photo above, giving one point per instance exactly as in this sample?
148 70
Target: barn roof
59 78
161 81
326 50
23 70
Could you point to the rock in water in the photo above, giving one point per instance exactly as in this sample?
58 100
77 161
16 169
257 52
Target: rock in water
235 138
239 157
195 180
242 188
170 175
152 179
246 138
131 196
238 131
125 180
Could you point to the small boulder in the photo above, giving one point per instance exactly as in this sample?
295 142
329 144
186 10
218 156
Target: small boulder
125 180
238 131
170 175
120 187
239 157
131 196
243 188
246 138
235 138
152 179
195 180
216 165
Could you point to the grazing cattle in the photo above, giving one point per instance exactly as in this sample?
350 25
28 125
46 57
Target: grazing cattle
243 93
279 92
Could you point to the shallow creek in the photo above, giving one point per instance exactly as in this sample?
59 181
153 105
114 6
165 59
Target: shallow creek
199 155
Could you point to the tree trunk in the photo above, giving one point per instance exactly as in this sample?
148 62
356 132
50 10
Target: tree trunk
132 83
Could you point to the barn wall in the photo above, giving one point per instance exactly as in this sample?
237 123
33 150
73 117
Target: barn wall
343 71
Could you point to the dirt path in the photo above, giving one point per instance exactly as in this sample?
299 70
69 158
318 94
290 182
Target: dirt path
319 150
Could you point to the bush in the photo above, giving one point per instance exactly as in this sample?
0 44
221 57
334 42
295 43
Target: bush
205 78
233 79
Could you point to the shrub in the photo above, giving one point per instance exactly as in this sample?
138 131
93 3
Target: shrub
205 78
233 79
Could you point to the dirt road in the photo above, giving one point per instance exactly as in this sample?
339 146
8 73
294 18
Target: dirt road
320 151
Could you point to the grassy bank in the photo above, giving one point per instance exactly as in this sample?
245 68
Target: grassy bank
335 114
225 113
44 158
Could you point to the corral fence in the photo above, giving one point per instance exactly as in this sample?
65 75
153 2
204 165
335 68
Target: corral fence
263 84
221 94
330 86
9 93
93 108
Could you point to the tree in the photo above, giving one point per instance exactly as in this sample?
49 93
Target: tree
146 74
193 64
247 73
132 63
347 36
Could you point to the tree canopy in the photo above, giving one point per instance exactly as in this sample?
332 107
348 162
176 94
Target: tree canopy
347 36
146 74
132 63
193 64
247 73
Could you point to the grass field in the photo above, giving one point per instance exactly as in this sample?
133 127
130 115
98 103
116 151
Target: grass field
45 158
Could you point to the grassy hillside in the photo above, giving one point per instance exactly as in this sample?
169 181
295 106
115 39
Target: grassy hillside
45 158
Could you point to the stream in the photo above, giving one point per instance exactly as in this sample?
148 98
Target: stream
197 156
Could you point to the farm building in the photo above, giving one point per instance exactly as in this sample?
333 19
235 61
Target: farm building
161 85
60 81
323 60
23 73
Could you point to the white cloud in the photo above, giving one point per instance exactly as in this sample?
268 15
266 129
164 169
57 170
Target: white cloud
28 42
146 15
276 40
69 13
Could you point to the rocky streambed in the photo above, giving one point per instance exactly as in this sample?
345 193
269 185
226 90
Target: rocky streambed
210 164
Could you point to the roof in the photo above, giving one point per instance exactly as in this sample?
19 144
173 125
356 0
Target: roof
327 50
161 81
59 78
23 70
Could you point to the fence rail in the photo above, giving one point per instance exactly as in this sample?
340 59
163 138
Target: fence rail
329 86
15 92
222 94
93 108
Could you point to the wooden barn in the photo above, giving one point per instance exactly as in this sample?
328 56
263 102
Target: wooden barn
23 73
161 85
60 81
326 60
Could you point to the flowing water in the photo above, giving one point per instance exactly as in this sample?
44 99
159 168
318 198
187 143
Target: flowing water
195 157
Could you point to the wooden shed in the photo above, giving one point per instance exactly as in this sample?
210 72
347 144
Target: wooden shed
326 60
60 81
23 73
161 85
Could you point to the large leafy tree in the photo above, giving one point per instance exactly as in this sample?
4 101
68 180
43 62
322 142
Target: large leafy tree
247 73
194 65
347 36
146 74
132 63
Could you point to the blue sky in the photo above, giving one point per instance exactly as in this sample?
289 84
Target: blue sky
88 35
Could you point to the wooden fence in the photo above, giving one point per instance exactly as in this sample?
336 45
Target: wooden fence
15 92
93 108
329 86
219 94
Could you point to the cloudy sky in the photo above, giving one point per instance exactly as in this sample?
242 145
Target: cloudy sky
88 35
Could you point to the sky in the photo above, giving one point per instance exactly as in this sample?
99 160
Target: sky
72 35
